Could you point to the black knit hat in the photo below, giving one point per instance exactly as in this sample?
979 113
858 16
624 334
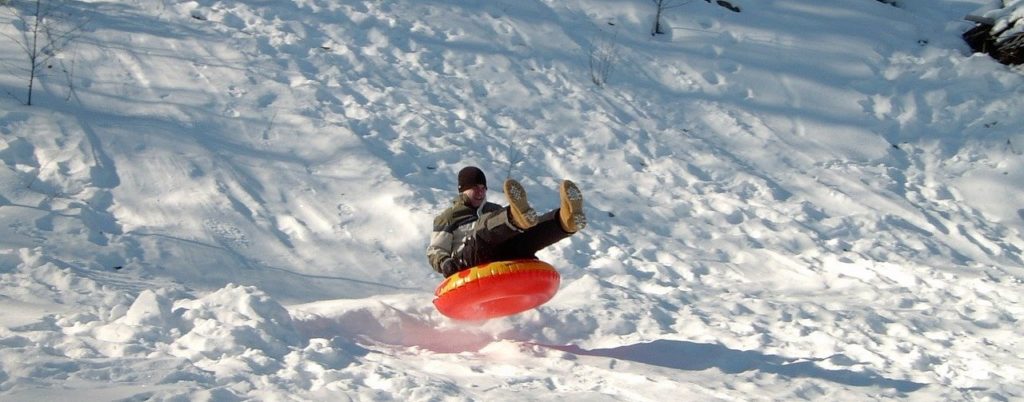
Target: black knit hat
470 176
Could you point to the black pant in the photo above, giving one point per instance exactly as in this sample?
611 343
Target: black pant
495 239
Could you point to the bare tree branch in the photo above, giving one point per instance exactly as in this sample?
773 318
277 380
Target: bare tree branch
603 54
44 35
660 7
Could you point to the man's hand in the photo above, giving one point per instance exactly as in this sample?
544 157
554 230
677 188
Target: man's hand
449 267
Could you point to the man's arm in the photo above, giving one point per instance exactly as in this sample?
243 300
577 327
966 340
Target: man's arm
440 248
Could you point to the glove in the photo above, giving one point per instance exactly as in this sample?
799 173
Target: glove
449 267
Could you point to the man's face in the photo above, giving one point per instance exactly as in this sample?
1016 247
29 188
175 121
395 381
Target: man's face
477 195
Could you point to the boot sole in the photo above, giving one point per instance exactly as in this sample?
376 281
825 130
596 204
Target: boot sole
573 198
520 206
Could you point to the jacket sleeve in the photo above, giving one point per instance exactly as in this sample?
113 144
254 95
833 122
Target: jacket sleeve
440 248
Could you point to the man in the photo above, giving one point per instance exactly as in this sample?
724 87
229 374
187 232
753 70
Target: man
474 231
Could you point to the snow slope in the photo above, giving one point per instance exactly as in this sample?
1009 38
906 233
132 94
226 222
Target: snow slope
802 200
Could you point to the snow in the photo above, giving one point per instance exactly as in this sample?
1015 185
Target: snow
799 201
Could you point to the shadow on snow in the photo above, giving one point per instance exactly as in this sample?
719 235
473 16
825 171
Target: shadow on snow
692 356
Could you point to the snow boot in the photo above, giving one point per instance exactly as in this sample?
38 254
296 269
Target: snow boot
571 213
522 215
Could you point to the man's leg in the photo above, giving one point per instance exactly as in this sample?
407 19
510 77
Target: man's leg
551 228
498 235
546 232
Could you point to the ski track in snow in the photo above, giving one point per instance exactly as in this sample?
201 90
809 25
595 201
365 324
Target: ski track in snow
234 200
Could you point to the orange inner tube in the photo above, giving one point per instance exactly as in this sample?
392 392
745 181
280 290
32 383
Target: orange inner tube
496 289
